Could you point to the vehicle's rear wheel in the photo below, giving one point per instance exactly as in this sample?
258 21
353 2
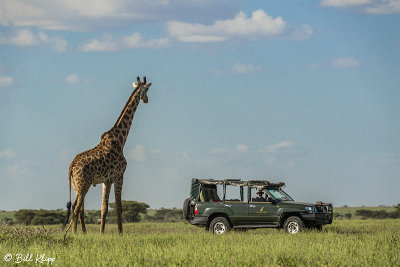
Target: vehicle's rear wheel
219 226
293 225
186 209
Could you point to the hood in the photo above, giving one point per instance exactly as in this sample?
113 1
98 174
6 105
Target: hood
296 203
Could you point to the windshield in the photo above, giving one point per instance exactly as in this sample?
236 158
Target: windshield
279 194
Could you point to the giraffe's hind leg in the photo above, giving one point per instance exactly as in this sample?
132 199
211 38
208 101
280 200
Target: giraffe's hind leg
82 217
77 211
104 205
118 205
72 220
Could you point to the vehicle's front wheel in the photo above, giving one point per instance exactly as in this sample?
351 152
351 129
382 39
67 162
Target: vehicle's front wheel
293 225
219 226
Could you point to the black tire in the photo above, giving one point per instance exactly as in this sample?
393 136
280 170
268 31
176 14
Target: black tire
293 225
186 209
219 226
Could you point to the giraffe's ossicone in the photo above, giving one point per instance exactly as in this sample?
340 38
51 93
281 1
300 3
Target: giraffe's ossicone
104 164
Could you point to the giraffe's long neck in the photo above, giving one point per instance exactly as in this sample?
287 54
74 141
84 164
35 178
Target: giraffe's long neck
124 122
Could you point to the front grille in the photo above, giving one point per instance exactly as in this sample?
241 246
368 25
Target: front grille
323 209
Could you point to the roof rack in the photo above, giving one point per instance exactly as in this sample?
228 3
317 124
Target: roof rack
238 182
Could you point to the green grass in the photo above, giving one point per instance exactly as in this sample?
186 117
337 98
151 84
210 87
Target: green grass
344 243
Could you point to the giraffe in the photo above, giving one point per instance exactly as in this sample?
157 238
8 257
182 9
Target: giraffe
105 163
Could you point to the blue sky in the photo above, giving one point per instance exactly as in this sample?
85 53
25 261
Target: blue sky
305 92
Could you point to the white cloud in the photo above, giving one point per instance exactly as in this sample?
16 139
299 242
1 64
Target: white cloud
337 63
6 81
239 68
138 153
259 25
56 43
201 39
241 147
385 7
26 37
62 14
345 63
366 6
75 79
106 44
72 79
344 3
279 146
21 37
8 154
102 14
135 40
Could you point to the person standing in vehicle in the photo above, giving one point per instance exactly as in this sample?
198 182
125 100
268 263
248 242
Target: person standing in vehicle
260 197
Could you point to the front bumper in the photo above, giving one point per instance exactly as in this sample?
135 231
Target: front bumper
198 220
318 218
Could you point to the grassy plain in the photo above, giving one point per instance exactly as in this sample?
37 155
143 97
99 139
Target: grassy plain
344 243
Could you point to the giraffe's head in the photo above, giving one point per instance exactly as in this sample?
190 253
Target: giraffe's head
143 87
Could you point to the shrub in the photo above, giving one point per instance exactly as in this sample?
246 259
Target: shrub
39 217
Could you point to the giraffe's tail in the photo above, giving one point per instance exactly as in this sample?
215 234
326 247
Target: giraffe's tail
69 202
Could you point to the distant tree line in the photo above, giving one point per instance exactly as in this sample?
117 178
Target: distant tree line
378 214
132 211
371 214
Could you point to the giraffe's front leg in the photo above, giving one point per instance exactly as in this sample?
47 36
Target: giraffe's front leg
82 217
104 205
118 205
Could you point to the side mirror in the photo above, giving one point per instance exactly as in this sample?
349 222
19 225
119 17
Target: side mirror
270 199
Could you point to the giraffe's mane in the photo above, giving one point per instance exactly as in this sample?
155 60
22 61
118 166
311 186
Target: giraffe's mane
126 105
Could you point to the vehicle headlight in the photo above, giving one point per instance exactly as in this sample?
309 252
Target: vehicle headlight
309 209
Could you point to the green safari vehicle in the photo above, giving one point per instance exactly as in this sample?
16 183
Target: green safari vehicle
220 205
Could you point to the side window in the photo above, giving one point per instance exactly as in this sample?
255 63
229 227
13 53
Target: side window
236 193
255 197
210 193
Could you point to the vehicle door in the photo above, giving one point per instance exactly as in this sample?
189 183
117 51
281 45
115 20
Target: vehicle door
262 211
236 202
